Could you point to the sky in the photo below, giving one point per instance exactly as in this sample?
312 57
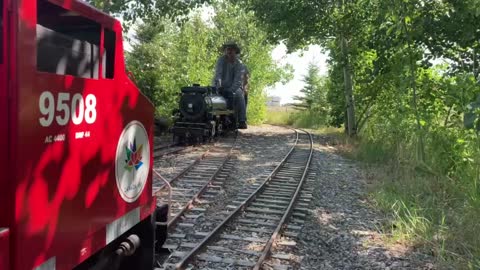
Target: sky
300 62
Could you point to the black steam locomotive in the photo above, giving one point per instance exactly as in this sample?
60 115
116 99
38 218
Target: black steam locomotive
203 113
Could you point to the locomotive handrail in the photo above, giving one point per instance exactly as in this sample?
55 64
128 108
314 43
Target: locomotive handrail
167 183
131 76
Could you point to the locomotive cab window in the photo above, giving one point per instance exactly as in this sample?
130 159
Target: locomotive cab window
109 54
67 43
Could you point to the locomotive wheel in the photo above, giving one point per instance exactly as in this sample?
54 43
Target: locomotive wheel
220 129
179 139
207 139
142 259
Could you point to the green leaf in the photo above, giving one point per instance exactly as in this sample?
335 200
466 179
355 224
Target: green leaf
408 20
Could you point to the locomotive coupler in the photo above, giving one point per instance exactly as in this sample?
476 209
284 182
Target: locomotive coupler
129 246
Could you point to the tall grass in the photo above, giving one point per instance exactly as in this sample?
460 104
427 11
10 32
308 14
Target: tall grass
279 117
433 204
292 117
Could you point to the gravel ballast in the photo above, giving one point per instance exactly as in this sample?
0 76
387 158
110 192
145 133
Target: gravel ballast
342 229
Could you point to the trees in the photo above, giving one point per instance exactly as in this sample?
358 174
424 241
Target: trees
304 22
165 61
415 111
314 92
414 68
313 106
169 56
384 67
148 10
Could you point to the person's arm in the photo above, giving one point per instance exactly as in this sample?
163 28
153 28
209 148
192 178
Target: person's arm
237 79
218 71
246 77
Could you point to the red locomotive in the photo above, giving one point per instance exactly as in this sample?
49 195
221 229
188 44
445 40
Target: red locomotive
77 142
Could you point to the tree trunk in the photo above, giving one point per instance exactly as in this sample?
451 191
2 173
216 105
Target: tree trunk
347 76
413 84
476 69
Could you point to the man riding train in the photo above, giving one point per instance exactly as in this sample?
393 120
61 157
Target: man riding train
230 76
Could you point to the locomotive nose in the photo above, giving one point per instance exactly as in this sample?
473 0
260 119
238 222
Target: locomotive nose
193 106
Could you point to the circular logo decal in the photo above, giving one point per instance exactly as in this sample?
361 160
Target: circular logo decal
132 161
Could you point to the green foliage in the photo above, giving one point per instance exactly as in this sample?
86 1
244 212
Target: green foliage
313 106
168 57
314 97
410 106
148 10
281 116
338 25
169 61
410 111
307 119
290 116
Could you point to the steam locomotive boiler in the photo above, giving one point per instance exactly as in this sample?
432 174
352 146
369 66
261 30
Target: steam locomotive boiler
202 114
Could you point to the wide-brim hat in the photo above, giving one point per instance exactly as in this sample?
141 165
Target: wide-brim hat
231 44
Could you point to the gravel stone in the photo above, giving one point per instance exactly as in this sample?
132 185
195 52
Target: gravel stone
258 152
341 230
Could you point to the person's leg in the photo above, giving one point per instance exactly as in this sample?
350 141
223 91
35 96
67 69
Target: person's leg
229 98
240 104
246 104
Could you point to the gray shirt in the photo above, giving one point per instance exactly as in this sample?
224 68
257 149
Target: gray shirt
230 74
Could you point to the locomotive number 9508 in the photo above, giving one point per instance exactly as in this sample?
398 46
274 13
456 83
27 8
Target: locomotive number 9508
77 109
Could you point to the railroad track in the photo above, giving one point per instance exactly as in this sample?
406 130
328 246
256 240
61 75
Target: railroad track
181 168
283 252
173 148
241 236
163 150
196 179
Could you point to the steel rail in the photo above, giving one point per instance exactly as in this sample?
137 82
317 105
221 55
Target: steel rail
171 145
191 166
203 188
185 171
174 151
162 147
169 193
266 250
214 232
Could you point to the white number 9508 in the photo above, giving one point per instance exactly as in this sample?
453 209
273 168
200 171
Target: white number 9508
77 109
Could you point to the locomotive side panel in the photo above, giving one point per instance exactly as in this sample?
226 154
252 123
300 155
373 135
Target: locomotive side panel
4 192
84 138
4 248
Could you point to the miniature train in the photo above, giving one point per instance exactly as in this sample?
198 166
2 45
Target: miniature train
203 113
77 136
